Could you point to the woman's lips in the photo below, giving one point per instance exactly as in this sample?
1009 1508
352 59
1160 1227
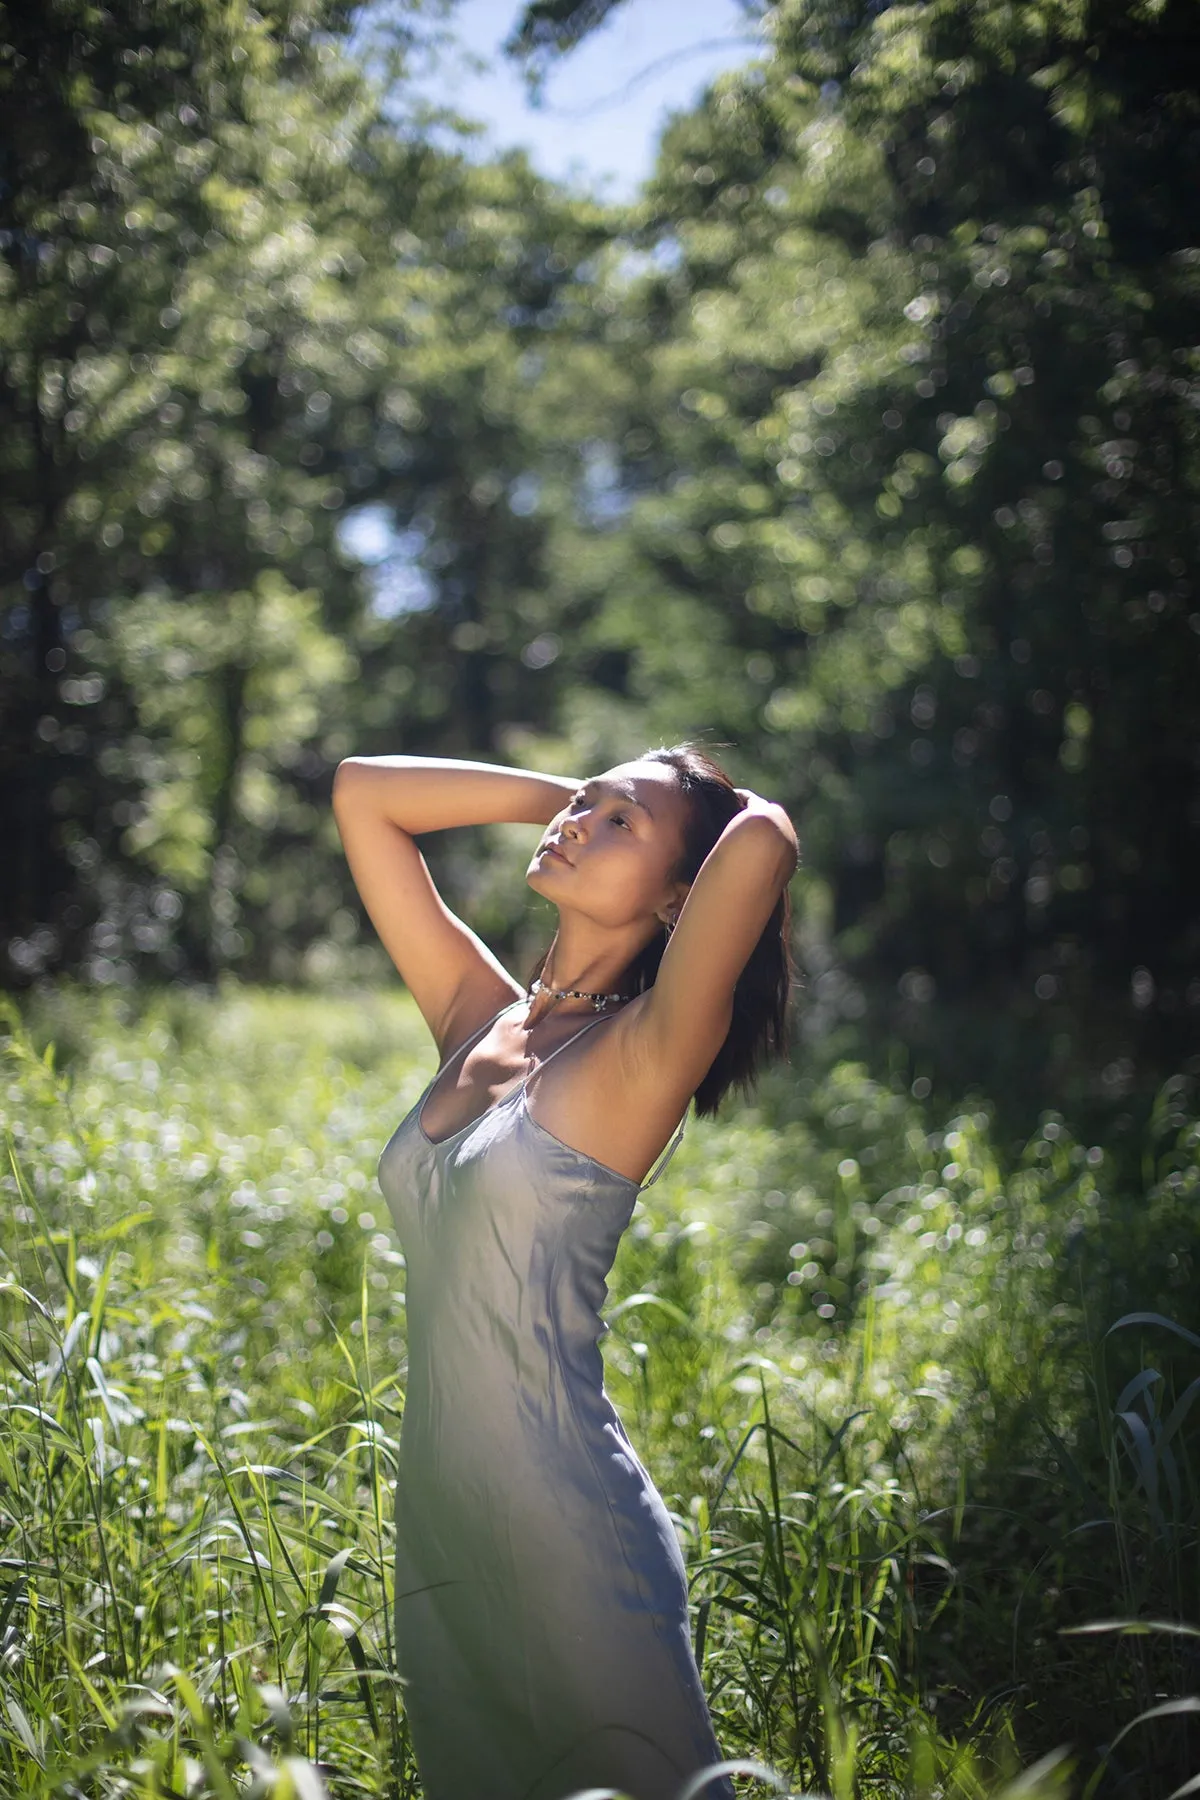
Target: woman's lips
552 850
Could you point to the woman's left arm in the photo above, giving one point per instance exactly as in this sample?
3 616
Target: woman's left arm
686 1014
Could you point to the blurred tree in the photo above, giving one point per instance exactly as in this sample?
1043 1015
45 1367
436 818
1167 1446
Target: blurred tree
476 446
916 409
186 226
557 25
253 313
869 444
548 29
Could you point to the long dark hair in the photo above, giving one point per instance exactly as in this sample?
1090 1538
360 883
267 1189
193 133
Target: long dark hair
758 1028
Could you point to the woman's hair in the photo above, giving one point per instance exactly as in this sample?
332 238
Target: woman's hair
758 1028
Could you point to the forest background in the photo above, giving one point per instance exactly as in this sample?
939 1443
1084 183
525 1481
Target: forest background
863 442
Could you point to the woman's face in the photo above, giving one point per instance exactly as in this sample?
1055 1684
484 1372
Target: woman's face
612 852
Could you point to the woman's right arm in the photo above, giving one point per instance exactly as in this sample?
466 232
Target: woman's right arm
381 804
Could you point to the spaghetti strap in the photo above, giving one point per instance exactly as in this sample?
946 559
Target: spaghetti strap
547 1060
676 1140
418 1110
473 1039
667 1154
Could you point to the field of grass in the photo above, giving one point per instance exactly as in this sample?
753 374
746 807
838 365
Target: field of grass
936 1488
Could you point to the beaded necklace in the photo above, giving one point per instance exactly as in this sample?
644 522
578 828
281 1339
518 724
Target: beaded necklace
599 1001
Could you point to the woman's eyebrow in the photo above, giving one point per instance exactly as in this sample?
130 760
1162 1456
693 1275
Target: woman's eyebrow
624 791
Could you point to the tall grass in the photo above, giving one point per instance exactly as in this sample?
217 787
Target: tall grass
867 1360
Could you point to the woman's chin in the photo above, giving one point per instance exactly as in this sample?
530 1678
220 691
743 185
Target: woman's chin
545 876
540 874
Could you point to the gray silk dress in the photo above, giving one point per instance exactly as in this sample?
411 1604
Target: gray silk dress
541 1603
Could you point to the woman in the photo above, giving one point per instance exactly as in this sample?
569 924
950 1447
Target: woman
541 1606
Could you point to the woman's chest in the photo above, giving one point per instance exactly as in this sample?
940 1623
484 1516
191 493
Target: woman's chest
502 1190
446 1196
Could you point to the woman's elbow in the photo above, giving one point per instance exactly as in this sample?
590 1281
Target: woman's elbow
347 777
774 839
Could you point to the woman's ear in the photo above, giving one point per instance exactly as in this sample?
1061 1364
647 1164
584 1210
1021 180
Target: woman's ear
668 912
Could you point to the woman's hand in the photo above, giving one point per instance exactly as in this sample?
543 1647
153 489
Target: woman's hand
382 803
754 803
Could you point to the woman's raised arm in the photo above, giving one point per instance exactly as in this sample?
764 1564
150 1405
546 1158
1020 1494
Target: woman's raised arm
686 1014
381 804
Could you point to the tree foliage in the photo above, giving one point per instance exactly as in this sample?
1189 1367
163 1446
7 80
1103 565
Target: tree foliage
914 478
865 442
182 284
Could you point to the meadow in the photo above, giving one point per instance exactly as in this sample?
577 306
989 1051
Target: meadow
922 1404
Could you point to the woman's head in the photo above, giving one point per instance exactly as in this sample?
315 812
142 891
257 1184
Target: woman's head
615 853
625 851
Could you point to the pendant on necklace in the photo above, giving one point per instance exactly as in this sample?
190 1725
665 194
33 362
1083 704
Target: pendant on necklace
599 1001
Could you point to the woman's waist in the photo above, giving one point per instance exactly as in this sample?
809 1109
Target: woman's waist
453 1325
460 1412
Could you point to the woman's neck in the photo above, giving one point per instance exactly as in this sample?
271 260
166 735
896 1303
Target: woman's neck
586 961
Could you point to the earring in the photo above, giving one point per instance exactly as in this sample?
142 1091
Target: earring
668 926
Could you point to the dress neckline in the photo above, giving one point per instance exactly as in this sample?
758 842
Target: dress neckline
519 1093
468 1044
440 1143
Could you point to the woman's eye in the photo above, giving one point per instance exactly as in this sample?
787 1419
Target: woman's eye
620 819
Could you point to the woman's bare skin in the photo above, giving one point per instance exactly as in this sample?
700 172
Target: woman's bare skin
606 860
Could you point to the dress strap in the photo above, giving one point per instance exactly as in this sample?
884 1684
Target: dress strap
667 1154
474 1038
573 1039
675 1142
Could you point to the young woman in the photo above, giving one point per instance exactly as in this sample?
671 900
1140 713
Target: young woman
541 1605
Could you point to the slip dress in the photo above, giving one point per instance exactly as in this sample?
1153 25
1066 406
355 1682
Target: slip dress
541 1600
